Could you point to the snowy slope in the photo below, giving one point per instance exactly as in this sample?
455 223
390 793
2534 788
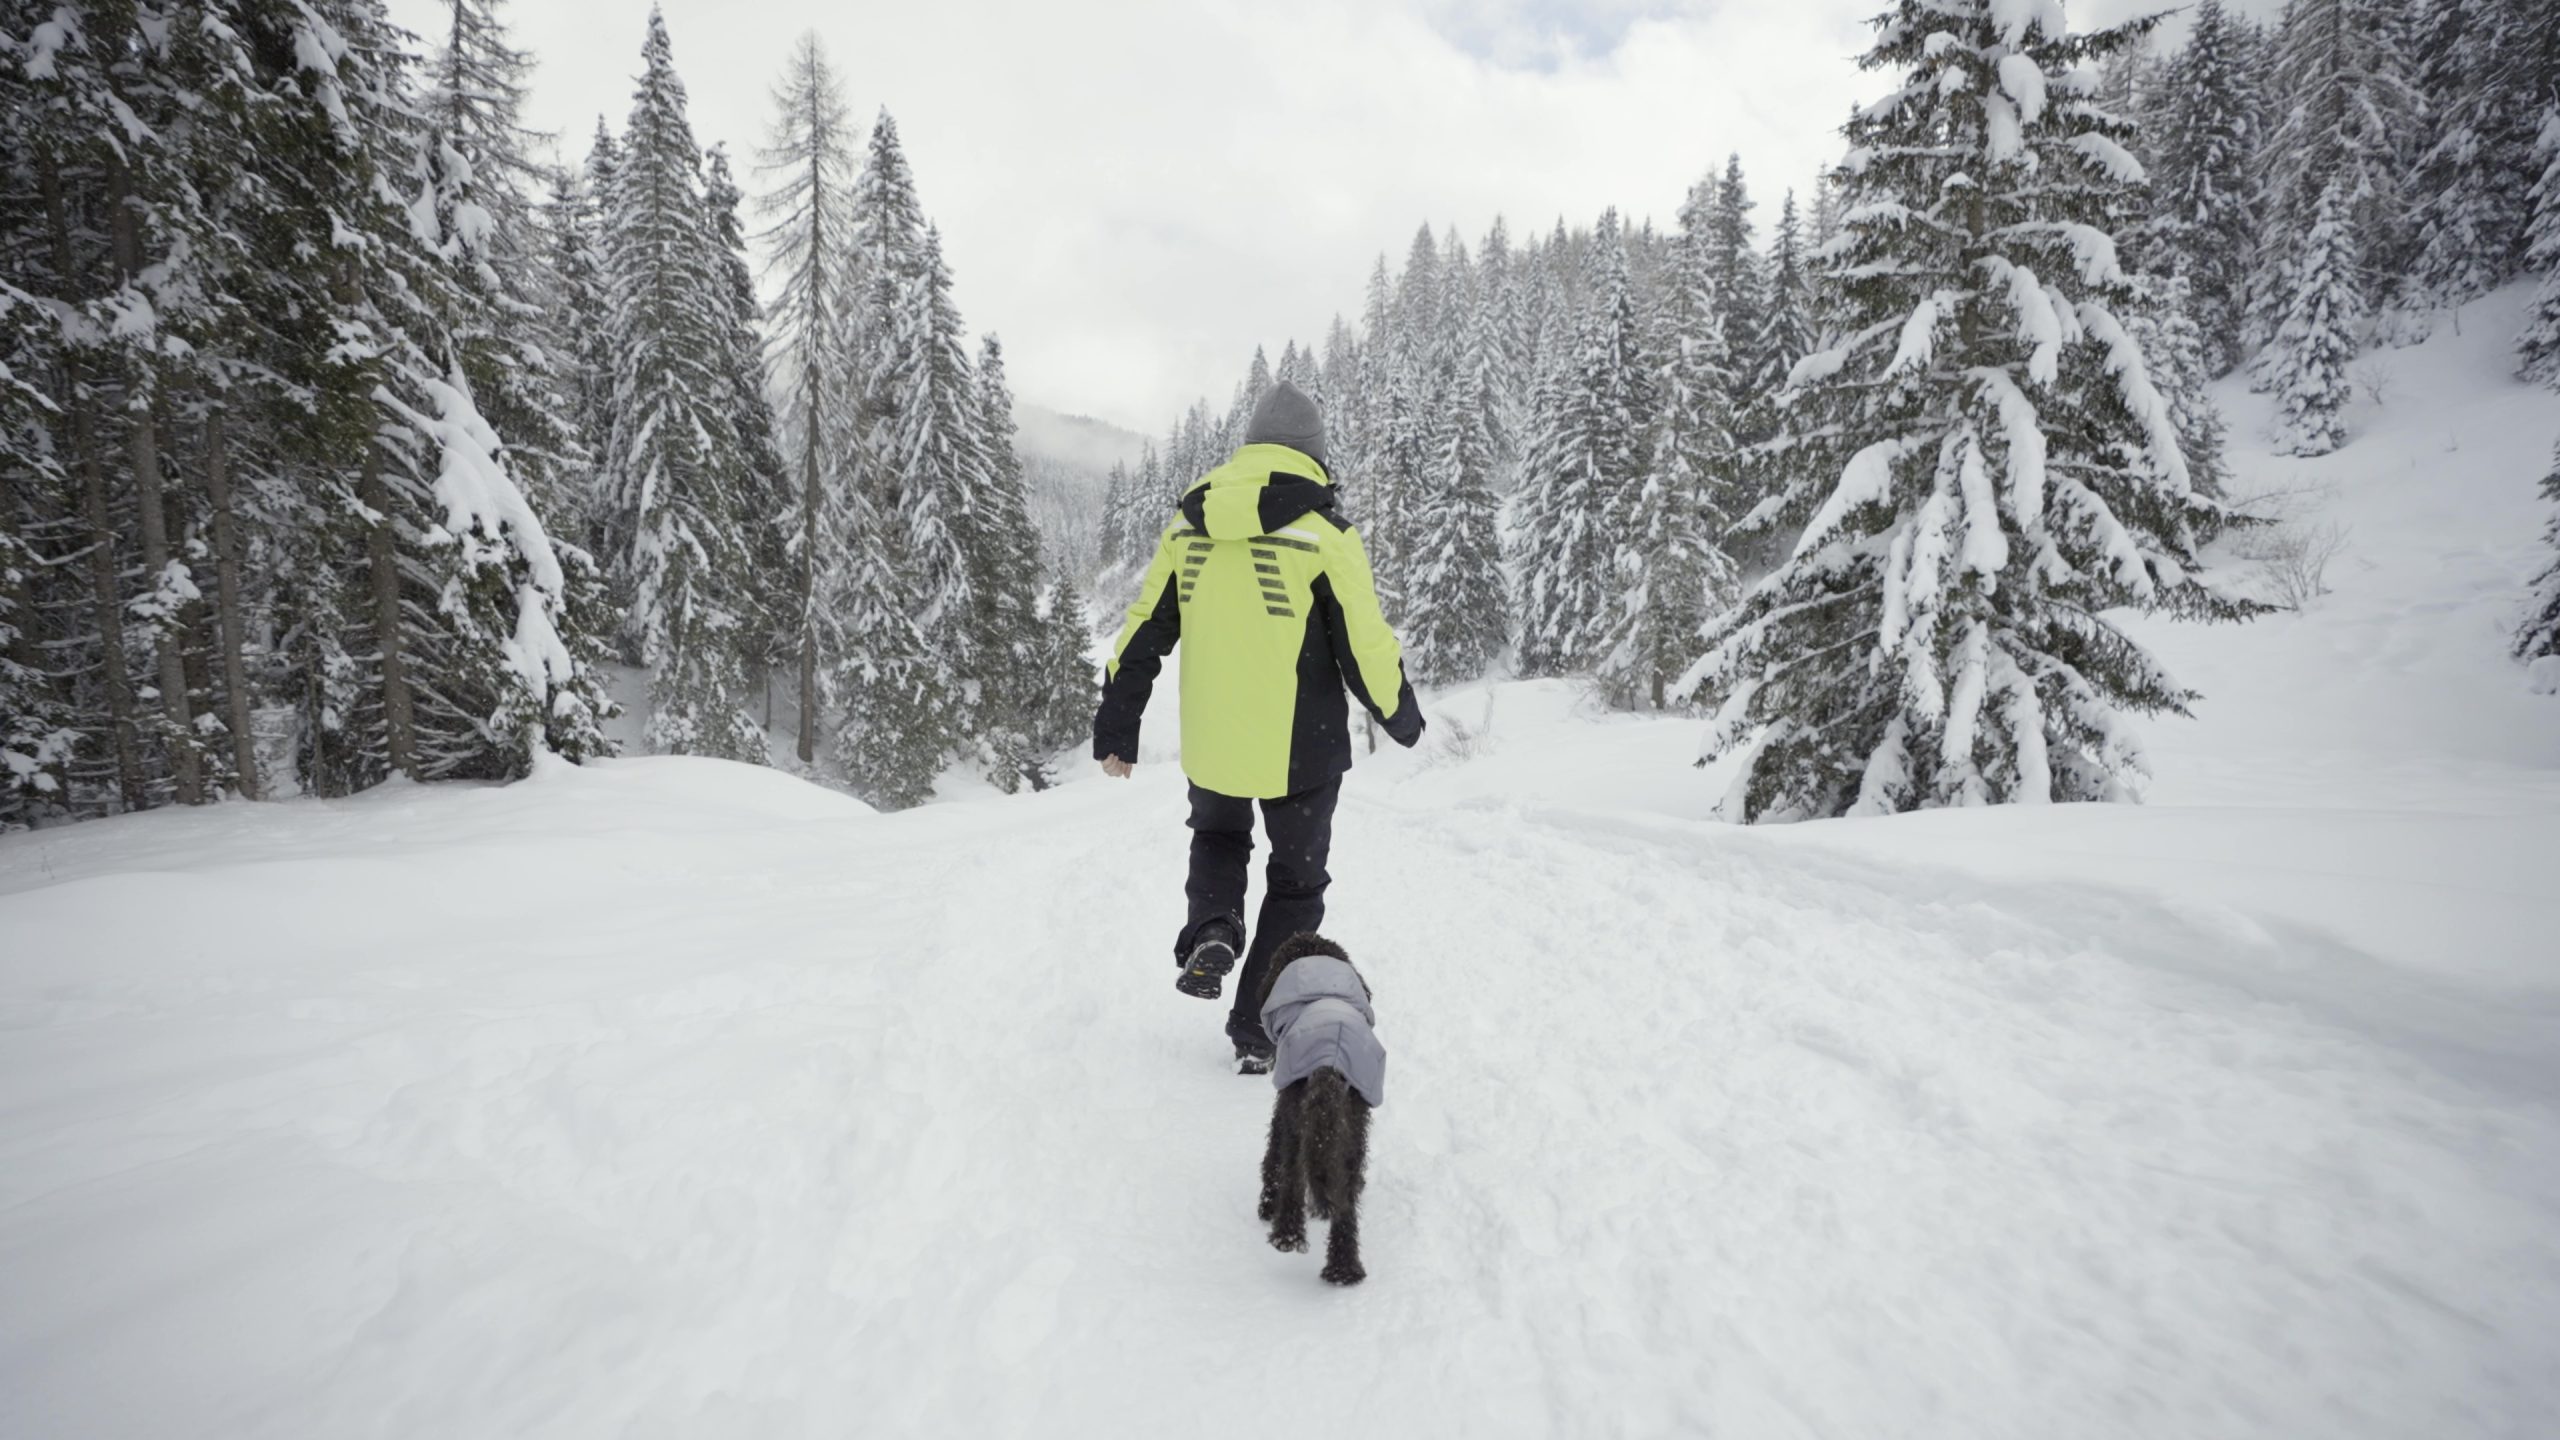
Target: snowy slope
671 1097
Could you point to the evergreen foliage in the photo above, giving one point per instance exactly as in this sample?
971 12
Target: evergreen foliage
2006 471
1054 706
2538 638
766 495
344 571
1003 561
2486 70
1677 573
1585 462
2203 179
2318 340
2538 347
2337 156
678 470
1458 618
808 157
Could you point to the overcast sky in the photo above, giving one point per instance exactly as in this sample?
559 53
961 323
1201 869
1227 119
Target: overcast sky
1133 193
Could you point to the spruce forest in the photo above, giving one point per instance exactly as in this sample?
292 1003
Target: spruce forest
346 439
1862 480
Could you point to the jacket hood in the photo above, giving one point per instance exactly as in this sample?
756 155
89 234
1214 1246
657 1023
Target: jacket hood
1260 489
1309 979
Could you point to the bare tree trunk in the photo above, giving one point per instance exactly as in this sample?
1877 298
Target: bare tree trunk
142 449
226 556
109 604
103 582
809 586
399 709
22 645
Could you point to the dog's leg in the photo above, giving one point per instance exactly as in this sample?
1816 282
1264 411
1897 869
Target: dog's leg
1277 1151
1342 1238
1284 1171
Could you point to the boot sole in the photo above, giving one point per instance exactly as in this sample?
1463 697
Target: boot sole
1205 976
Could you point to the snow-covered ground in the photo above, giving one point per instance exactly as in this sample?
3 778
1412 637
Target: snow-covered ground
672 1097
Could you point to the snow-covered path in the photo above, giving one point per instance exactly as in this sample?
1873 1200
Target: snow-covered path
673 1098
676 1098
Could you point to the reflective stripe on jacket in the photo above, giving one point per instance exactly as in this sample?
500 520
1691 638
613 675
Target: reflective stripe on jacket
1273 594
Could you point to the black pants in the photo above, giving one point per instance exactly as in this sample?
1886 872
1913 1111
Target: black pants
1300 827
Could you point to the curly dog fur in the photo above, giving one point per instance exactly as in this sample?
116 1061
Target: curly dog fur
1318 1155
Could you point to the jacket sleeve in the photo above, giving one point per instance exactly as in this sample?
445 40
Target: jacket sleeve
1372 662
1153 626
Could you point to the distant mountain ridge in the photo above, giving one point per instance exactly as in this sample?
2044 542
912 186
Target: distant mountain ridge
1080 441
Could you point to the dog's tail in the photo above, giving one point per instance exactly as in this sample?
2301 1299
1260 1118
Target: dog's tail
1337 1142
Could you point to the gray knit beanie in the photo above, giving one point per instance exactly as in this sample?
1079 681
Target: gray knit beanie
1287 417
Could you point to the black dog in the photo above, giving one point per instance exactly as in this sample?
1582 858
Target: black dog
1331 1072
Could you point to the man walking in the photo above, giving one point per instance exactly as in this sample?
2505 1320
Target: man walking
1267 582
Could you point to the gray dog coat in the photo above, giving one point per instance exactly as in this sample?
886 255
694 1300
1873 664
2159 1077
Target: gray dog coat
1319 1015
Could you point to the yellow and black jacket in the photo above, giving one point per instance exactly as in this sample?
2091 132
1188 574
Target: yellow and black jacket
1271 590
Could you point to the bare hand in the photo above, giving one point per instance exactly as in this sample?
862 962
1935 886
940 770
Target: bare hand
1116 768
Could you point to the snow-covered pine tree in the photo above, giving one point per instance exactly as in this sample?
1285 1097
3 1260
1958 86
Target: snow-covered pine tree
1149 507
110 145
2203 179
676 469
1339 380
1456 623
1415 314
1508 340
892 734
579 304
1394 498
808 158
2318 339
1586 455
1547 518
428 624
485 181
2160 317
769 494
503 422
2538 347
1003 556
1461 294
597 352
899 588
1826 210
1741 288
2008 471
1675 519
2351 120
39 724
1788 330
1057 699
940 459
1356 428
2486 70
2538 638
1257 383
1113 526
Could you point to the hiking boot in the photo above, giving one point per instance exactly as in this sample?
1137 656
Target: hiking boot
1253 1048
1213 954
